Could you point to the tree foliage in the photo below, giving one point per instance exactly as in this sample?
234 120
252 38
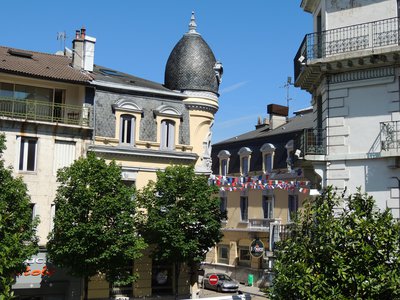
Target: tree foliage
96 220
18 240
350 253
184 218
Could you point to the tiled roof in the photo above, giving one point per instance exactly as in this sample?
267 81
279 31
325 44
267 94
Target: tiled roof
41 65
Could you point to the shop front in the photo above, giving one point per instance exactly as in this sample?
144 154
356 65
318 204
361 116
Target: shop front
43 281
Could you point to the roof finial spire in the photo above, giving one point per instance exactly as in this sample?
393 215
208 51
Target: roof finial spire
192 24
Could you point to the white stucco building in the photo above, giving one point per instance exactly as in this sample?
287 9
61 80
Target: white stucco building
350 65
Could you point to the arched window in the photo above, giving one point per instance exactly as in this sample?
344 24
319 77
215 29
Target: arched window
167 134
224 156
268 151
127 130
245 155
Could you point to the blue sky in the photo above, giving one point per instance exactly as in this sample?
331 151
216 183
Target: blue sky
256 41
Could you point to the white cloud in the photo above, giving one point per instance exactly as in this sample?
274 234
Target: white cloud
233 87
235 122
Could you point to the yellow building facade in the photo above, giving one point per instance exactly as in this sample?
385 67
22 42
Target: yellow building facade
261 186
146 126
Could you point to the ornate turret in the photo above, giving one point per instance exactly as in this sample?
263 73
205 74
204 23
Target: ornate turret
191 65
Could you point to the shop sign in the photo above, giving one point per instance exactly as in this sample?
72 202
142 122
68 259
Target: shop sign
257 248
36 269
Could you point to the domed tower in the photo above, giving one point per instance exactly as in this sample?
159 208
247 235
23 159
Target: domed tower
193 70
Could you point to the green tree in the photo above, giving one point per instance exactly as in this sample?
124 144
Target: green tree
18 240
183 217
350 253
96 220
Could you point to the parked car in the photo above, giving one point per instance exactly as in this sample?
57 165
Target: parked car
224 284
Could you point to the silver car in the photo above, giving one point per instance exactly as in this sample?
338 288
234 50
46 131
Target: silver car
224 284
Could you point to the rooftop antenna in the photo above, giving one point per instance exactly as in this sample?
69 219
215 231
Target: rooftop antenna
287 85
62 36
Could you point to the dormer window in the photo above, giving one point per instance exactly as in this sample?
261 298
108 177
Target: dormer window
127 130
169 119
167 134
268 152
129 115
245 155
224 157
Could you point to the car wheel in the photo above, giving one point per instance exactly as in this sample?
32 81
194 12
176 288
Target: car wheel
219 289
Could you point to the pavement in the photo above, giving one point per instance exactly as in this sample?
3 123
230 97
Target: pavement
251 292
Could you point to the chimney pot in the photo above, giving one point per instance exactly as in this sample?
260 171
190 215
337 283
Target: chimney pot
83 33
77 34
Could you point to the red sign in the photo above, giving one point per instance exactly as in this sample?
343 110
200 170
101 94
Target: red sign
213 280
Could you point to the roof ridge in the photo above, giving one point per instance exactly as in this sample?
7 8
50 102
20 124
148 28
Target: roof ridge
34 52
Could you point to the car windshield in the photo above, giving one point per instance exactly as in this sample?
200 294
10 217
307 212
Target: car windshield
224 277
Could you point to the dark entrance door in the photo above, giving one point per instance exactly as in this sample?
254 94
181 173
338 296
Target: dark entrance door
161 279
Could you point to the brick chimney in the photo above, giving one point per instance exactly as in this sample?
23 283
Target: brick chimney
277 115
83 51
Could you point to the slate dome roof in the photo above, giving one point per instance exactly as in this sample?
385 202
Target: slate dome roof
190 65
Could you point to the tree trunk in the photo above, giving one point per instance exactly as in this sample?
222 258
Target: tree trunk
177 272
86 288
194 277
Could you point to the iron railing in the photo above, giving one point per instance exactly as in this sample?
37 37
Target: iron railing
312 142
390 135
260 223
346 39
45 111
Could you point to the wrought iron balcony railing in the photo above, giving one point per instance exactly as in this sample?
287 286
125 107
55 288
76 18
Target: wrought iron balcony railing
390 136
260 223
312 142
45 111
346 39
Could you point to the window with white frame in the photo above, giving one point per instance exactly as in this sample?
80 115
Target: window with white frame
268 206
169 118
223 254
244 208
223 156
167 134
268 151
245 155
27 154
293 206
64 154
129 115
127 130
33 210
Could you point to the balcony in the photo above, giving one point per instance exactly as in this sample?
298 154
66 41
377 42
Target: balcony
312 142
33 110
251 225
390 136
366 36
260 224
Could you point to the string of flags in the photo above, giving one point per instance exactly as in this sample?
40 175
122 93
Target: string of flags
257 182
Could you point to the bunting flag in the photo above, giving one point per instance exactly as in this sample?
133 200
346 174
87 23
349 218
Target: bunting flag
257 182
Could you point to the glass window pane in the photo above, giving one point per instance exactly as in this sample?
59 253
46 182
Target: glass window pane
21 155
6 90
128 125
33 93
224 165
31 155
